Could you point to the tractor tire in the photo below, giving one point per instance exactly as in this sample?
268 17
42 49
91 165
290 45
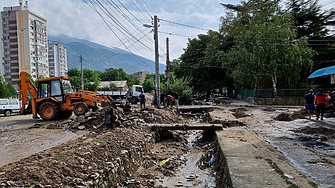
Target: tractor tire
48 110
65 114
80 108
7 113
133 100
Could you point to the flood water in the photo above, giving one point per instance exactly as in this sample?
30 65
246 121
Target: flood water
191 175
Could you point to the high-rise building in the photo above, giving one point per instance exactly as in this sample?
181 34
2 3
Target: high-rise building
2 60
24 37
57 59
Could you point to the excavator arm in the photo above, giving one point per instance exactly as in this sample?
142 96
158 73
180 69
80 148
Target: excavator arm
25 86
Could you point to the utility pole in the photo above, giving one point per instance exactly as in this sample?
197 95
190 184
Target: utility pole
82 72
157 61
167 63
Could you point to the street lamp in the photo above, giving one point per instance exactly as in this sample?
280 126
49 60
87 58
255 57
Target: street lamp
156 58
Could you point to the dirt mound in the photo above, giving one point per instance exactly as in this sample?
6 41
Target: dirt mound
80 162
290 117
269 109
318 130
227 124
239 110
240 114
118 139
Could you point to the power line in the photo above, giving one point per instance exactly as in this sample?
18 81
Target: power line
117 35
185 25
122 49
140 10
117 22
148 7
174 34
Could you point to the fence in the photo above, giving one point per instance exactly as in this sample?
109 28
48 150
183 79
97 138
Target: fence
281 93
11 95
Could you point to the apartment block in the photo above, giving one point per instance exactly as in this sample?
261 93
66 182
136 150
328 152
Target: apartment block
24 37
57 56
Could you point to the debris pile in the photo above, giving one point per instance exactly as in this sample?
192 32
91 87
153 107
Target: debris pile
301 114
239 112
93 160
96 159
228 123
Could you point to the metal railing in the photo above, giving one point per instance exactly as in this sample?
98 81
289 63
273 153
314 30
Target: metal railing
281 93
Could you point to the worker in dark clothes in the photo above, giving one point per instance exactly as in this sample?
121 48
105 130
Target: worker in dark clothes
142 100
309 103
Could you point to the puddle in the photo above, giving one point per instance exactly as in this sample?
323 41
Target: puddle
191 175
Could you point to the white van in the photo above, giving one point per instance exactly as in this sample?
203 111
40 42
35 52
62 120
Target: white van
9 106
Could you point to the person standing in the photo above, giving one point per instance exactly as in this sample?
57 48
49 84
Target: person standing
156 98
176 99
142 100
128 96
320 102
309 103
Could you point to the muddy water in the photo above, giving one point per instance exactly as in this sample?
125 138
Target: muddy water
191 175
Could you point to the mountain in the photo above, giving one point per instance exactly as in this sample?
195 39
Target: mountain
99 57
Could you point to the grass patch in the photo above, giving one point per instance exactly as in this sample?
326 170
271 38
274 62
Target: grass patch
63 155
281 173
98 140
312 184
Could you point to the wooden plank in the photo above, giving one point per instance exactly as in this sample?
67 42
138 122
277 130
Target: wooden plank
187 127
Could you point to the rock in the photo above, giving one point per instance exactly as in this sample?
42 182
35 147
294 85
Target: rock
81 127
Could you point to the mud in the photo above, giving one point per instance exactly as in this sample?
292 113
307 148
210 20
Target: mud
301 114
317 130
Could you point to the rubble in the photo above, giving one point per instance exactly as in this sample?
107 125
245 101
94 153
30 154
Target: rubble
109 154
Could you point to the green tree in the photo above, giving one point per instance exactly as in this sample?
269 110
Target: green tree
310 18
91 79
2 87
266 50
199 64
149 83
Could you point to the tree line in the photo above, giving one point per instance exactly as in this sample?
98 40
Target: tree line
260 44
7 90
92 79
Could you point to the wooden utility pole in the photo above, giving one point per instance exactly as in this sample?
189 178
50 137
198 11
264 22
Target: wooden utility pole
167 63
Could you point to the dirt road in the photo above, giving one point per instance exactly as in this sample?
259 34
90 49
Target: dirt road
19 140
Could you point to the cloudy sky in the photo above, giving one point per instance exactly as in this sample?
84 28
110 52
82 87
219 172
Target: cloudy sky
76 18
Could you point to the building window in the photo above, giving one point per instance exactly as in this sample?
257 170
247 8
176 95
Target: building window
7 50
7 62
4 25
6 38
8 74
5 19
5 13
7 55
7 68
5 31
6 44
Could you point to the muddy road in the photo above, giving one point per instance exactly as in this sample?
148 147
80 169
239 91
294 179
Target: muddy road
308 144
20 138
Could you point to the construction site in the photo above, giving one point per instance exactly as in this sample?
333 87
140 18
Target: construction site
220 142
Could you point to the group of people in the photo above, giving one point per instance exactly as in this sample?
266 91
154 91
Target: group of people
317 103
166 100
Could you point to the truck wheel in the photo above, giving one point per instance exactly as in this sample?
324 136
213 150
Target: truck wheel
65 114
48 110
80 108
8 113
133 100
